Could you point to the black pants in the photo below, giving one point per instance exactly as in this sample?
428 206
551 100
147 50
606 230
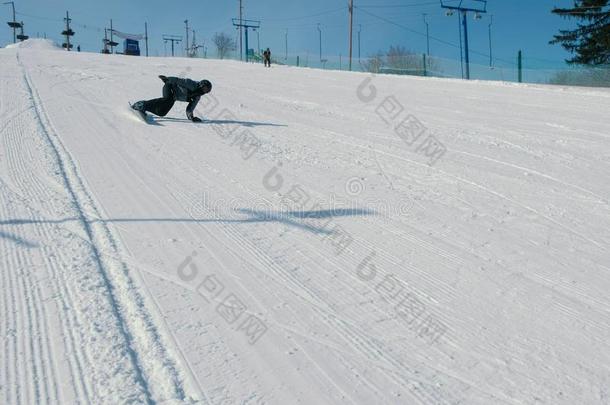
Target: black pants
268 62
161 106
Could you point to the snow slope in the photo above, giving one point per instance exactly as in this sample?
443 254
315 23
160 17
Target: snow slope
35 43
166 264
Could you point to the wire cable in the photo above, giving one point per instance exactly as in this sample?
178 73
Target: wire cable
439 40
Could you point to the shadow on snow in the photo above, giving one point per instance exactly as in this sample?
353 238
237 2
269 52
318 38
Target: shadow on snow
296 219
249 124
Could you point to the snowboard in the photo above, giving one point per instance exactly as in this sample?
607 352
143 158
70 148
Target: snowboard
140 114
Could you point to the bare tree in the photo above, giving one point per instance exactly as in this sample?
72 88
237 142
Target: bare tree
224 43
399 60
402 60
373 63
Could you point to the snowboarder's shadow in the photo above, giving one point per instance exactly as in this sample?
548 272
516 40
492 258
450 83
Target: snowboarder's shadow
224 122
304 220
18 240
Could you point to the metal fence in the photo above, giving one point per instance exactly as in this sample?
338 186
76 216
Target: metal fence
432 66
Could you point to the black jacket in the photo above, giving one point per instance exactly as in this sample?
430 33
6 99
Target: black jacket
186 90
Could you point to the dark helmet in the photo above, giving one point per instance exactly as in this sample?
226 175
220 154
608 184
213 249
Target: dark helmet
206 86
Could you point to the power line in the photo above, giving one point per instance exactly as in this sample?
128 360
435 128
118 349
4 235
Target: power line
40 18
400 5
83 26
331 11
442 41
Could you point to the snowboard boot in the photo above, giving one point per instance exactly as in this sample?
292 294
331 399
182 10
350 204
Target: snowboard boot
138 106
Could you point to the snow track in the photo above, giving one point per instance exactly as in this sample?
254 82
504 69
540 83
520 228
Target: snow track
99 302
504 241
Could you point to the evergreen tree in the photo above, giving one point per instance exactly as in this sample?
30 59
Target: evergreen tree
590 42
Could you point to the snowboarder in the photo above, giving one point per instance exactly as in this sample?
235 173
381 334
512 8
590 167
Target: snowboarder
175 89
267 57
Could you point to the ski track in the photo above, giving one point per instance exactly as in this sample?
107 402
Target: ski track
364 345
131 329
455 259
236 237
80 264
25 304
137 177
434 247
431 246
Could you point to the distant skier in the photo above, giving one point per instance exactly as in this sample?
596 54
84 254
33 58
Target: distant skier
267 57
175 89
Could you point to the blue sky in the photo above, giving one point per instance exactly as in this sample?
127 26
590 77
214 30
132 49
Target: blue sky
517 24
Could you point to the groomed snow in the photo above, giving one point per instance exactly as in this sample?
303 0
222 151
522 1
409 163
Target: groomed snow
337 263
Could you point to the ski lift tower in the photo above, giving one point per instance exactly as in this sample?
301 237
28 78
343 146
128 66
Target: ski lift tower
241 23
68 32
22 37
172 39
14 24
109 42
477 7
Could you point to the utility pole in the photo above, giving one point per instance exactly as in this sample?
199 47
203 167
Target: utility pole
322 61
491 63
67 32
425 66
351 31
146 37
320 32
258 40
520 65
427 35
241 33
186 48
463 11
286 37
461 46
13 24
359 31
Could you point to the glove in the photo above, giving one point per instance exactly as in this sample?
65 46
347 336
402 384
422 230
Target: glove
163 78
196 119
